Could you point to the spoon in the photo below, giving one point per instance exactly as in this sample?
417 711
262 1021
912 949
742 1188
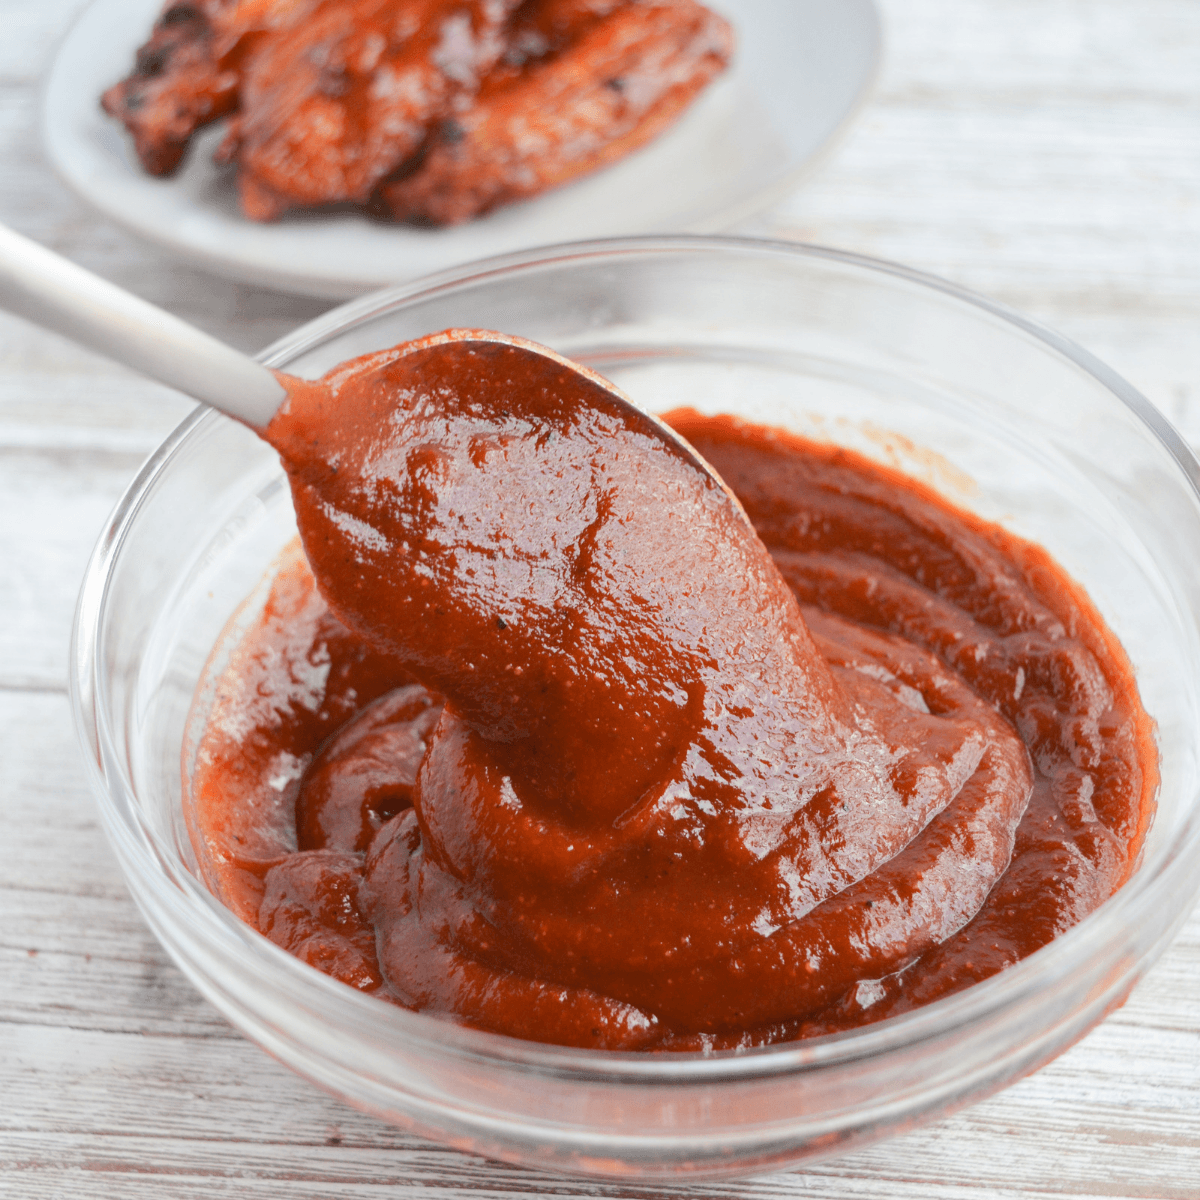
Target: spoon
428 462
49 290
55 293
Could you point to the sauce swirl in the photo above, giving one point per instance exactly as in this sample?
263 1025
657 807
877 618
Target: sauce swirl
568 743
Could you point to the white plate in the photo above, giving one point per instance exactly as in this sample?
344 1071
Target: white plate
801 71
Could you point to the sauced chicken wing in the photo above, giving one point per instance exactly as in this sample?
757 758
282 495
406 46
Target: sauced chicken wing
189 73
615 85
333 105
178 84
431 110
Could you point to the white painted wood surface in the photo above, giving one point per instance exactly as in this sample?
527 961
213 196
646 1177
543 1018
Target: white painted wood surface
1046 152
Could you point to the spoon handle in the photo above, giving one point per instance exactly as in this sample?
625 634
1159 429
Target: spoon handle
42 287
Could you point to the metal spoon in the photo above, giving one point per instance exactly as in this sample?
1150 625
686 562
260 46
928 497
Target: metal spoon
49 290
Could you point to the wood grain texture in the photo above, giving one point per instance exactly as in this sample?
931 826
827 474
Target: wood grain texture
1046 152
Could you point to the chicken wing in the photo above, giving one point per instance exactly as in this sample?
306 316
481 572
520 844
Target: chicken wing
621 78
177 85
333 105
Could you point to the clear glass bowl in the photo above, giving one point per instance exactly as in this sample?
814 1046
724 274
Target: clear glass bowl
1004 418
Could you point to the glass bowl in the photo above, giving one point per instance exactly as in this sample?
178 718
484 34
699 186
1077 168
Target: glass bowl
1005 419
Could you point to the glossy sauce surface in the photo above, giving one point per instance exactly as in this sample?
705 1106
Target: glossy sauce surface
571 745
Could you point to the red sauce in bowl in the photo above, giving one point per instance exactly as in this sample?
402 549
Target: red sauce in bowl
570 745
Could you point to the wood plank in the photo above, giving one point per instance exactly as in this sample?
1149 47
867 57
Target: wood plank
224 1109
57 845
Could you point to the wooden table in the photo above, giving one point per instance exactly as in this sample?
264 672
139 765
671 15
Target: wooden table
1046 152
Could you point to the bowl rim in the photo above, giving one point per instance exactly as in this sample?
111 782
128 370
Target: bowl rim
1171 884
